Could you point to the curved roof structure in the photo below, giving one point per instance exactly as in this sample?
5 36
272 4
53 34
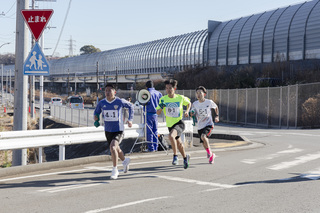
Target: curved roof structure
290 33
284 34
169 54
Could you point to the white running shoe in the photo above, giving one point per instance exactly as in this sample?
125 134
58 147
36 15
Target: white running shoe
114 174
125 164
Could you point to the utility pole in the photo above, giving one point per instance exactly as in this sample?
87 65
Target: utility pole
19 157
75 83
68 84
71 47
32 84
117 77
97 82
2 94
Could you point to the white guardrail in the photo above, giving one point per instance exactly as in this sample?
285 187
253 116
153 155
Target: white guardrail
12 140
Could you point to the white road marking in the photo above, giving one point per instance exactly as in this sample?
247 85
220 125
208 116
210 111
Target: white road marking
203 183
299 160
42 175
210 190
70 187
127 204
313 175
272 156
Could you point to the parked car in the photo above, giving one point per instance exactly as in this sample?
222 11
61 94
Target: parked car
75 102
56 101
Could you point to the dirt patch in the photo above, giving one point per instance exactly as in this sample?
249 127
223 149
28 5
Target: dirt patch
6 124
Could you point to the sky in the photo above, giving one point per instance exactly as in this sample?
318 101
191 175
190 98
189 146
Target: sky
111 24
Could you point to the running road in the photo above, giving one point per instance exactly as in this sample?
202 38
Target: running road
280 172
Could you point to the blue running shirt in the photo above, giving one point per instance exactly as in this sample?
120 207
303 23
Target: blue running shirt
112 113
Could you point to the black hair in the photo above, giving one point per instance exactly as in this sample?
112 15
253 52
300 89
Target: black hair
149 84
110 85
202 88
172 82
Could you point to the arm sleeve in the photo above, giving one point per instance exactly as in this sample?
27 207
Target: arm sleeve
186 100
213 105
97 111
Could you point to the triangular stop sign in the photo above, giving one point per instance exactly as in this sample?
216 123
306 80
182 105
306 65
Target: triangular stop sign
36 20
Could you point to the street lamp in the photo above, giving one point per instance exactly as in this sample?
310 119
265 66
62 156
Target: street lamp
4 44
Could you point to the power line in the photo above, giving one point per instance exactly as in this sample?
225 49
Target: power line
64 22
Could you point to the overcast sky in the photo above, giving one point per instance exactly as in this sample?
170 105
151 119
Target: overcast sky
110 24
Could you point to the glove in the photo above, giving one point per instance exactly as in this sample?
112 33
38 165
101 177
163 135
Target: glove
96 124
162 105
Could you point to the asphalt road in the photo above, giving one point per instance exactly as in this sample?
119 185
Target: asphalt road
278 171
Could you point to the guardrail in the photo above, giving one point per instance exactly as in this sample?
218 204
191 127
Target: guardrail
62 137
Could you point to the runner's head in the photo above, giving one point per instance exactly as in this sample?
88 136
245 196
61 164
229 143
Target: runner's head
201 92
171 86
110 91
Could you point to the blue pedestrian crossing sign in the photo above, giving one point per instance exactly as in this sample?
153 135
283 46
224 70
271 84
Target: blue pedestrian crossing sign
36 63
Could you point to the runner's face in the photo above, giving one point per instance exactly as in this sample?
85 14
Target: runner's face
200 94
110 92
169 89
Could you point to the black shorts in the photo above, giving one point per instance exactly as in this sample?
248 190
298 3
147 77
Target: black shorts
179 126
114 136
207 131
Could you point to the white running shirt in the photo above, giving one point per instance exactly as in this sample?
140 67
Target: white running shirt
203 112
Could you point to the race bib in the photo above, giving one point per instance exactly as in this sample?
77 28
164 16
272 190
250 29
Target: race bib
203 112
173 110
110 115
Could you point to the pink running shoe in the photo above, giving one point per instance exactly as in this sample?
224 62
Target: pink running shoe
212 157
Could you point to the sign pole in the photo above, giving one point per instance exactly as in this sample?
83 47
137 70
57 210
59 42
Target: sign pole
19 157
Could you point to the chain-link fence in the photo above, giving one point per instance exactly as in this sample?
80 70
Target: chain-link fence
296 106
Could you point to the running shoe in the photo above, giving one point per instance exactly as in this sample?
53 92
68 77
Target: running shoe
212 157
186 162
114 174
175 160
125 164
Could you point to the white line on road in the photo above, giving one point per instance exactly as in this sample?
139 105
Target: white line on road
127 204
70 187
272 156
300 160
203 183
41 175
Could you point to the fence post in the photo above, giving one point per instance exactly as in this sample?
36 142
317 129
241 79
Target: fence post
288 107
79 120
280 112
297 99
71 115
237 99
40 155
257 103
87 117
62 152
268 107
246 110
228 107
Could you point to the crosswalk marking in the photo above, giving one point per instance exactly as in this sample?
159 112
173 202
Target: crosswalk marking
272 156
299 160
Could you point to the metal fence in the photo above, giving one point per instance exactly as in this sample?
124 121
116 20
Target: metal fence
292 106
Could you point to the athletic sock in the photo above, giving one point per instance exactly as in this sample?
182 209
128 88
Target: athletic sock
208 151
